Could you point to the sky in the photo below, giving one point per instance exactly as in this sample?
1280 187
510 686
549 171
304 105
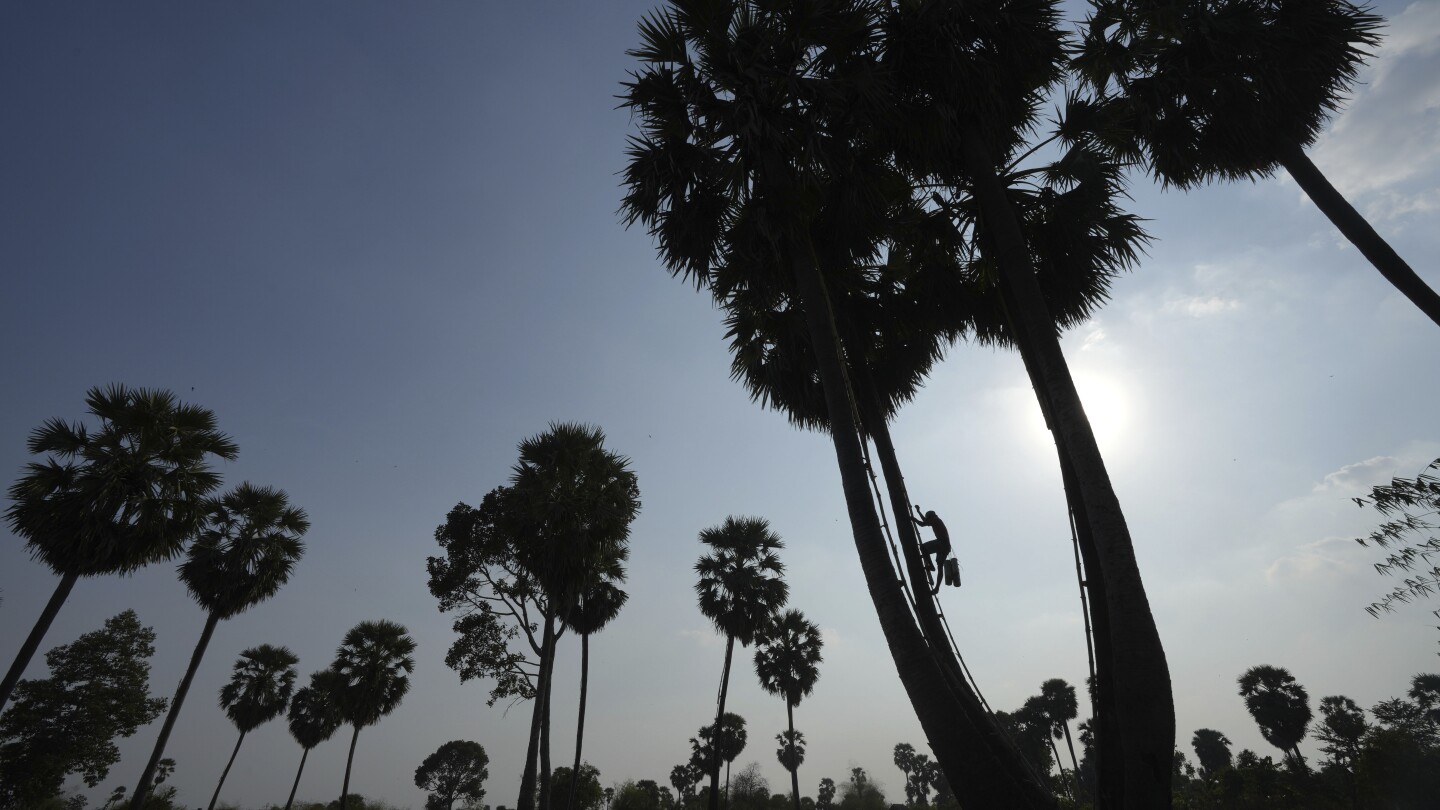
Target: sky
381 242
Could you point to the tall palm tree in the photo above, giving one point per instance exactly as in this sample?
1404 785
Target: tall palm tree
368 679
599 604
787 659
1236 89
1061 706
258 692
1212 749
113 499
574 501
313 719
244 554
740 589
1280 706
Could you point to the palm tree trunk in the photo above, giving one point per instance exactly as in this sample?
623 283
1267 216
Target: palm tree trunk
795 771
1146 715
349 761
580 723
37 634
715 734
1074 764
137 799
979 777
1055 752
545 786
532 751
305 753
216 795
1355 228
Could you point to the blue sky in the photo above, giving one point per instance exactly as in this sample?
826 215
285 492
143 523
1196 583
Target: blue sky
382 244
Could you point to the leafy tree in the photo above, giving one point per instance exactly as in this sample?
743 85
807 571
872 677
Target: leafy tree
1341 729
739 589
455 772
1280 706
586 790
1425 691
1029 727
98 690
244 554
368 679
860 793
787 659
825 794
631 795
751 790
684 778
1212 749
600 602
1409 533
574 501
258 692
113 499
1231 89
313 719
717 744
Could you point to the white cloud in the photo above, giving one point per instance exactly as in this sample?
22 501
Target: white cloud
1359 476
1094 337
1201 306
1322 560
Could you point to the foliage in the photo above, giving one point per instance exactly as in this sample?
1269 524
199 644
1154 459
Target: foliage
246 550
1411 506
631 795
368 678
588 795
260 686
684 778
1212 749
455 772
787 656
97 691
825 794
1280 706
740 586
860 793
750 790
1029 726
728 743
313 716
498 602
791 752
1342 727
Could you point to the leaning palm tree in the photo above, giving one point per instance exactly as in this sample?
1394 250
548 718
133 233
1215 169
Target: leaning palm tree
1061 706
113 499
1237 89
740 589
572 503
258 692
787 659
313 719
368 679
599 604
245 553
1280 706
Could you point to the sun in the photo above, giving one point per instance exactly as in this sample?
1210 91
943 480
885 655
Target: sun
1108 406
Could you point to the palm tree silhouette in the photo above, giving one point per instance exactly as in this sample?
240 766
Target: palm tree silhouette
573 503
1280 706
740 589
787 659
1234 90
113 499
1212 749
598 605
258 692
1058 700
313 719
368 679
244 554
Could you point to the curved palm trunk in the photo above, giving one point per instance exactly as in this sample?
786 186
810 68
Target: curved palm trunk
979 777
296 785
1356 229
216 795
526 800
545 786
580 723
795 771
1146 715
1074 764
137 799
37 634
715 738
349 761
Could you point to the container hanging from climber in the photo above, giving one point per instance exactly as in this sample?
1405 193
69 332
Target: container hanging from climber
945 566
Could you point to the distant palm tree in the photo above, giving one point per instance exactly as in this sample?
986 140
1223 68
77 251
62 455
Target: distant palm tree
1212 749
787 659
1061 706
1280 706
369 679
740 589
599 605
120 497
244 554
313 718
258 692
1233 89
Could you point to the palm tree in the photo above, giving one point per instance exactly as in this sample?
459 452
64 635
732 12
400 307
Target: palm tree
1236 89
1058 700
1212 749
244 554
787 659
258 692
599 604
313 719
115 499
1280 706
573 503
368 679
740 589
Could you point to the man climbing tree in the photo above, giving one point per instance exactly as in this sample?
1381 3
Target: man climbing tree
947 570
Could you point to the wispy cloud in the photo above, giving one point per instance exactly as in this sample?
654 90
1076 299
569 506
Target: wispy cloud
1201 306
1358 476
1323 560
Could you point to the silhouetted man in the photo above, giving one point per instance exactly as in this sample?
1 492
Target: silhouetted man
940 546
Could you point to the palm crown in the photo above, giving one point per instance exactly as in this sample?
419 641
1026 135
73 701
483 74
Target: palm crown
260 686
1278 703
369 676
787 656
740 586
312 716
125 494
247 550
